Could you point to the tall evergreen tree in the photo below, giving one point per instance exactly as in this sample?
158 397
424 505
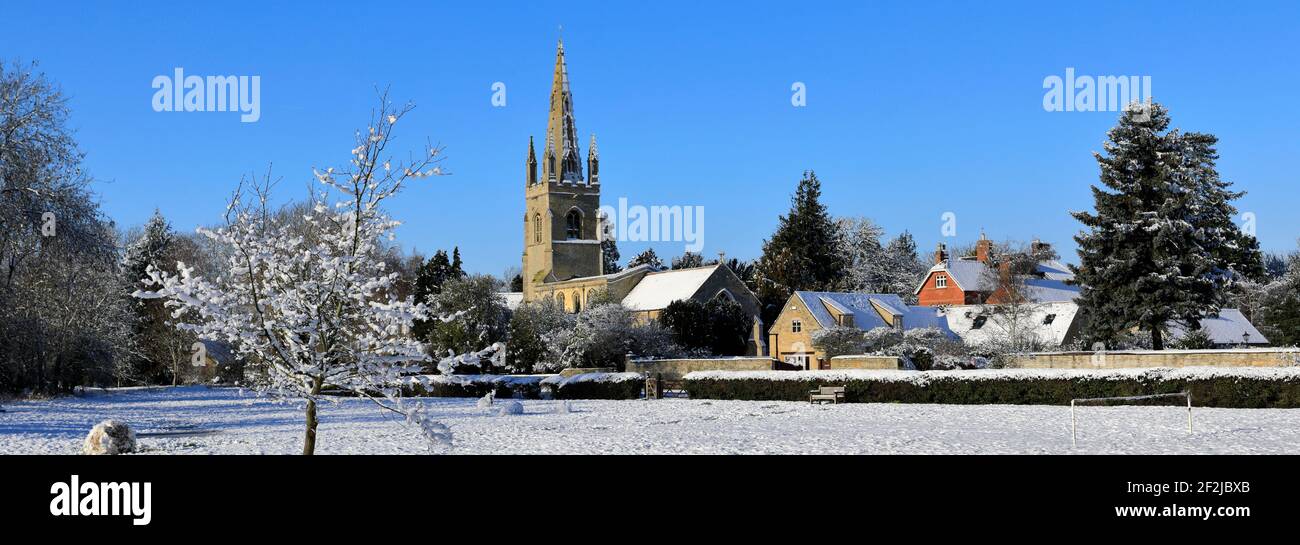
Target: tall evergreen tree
608 248
457 269
865 264
1161 246
802 253
609 257
428 284
905 267
153 362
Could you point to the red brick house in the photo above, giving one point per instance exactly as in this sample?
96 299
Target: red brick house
965 280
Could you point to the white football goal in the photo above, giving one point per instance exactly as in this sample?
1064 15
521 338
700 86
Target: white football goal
1074 421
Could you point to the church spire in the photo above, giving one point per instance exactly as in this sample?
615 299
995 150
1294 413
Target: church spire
532 164
561 132
593 162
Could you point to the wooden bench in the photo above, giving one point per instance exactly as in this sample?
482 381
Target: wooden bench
832 394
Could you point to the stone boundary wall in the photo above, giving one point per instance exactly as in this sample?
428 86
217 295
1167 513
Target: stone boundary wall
1245 357
866 362
677 368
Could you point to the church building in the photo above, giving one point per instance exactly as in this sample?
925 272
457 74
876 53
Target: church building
562 258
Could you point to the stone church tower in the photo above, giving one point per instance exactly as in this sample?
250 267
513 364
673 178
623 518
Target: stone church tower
561 227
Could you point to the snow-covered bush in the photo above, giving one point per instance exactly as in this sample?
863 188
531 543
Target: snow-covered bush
840 340
510 407
600 337
526 348
920 348
1196 339
310 302
482 319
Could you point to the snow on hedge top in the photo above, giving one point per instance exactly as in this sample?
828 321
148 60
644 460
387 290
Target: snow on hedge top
560 380
658 289
484 379
922 377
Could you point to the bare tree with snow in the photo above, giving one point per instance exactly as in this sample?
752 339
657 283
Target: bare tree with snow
311 306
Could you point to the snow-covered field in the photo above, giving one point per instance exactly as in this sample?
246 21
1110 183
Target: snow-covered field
198 420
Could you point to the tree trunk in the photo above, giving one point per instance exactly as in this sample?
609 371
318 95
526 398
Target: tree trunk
1157 342
309 439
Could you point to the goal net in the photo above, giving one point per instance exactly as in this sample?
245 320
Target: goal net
1129 400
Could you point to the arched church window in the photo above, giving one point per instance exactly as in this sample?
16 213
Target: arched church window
574 221
537 228
577 302
559 299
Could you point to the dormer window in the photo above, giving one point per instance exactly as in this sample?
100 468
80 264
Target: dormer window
940 281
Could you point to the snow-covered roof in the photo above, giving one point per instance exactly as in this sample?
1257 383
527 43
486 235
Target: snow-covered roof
611 276
969 274
1046 290
1055 270
865 315
512 299
1230 327
980 324
658 289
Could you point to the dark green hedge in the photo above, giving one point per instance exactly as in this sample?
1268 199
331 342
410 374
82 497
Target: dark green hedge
627 389
528 390
1213 392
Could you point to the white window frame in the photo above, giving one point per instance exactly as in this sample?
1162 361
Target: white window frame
940 281
796 326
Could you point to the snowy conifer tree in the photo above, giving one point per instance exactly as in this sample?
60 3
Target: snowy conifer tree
1161 245
905 267
648 257
803 253
161 348
608 248
866 266
312 307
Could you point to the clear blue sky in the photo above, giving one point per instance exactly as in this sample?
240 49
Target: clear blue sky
912 110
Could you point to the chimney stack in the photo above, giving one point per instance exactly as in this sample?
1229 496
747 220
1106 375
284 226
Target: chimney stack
1038 248
983 248
940 254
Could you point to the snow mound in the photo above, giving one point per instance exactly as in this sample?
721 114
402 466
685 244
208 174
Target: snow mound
486 401
109 437
511 407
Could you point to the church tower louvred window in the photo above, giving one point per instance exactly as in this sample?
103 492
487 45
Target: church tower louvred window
573 223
